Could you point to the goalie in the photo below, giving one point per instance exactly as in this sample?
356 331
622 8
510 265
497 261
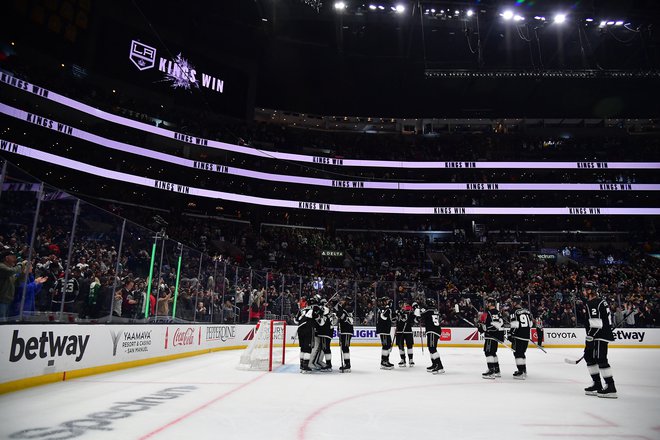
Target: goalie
306 318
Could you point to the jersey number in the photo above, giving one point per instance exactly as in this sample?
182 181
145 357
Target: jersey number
524 321
436 320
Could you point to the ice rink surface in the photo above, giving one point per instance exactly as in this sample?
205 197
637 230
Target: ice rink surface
207 397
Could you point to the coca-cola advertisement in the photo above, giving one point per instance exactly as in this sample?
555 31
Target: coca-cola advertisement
183 336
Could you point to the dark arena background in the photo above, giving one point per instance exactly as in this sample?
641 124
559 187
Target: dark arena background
269 183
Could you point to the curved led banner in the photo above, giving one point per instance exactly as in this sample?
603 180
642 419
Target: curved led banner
21 150
79 106
350 184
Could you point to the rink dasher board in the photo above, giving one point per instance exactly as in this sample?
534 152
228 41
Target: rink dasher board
34 354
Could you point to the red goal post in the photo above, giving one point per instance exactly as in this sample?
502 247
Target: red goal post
267 349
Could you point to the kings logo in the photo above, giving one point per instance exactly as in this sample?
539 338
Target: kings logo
143 56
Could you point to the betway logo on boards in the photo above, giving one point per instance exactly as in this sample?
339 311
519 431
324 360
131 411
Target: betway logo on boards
47 346
626 335
183 337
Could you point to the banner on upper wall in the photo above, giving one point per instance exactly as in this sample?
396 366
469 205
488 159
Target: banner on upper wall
183 73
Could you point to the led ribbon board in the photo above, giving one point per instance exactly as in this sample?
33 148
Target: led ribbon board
20 150
79 106
349 184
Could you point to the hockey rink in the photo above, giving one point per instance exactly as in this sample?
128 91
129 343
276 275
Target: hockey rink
207 397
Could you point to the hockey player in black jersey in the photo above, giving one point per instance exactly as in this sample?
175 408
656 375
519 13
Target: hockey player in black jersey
521 323
490 323
306 319
384 331
430 318
405 319
599 335
321 353
344 314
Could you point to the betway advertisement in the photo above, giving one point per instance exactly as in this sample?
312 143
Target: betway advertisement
35 350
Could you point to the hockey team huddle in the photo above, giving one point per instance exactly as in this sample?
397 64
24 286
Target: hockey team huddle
316 321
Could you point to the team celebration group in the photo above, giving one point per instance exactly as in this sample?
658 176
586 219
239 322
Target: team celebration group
316 321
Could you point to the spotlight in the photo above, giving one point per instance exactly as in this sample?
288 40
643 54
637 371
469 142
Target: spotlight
470 12
372 7
610 23
340 6
400 8
518 17
456 12
432 11
619 23
507 15
602 24
540 18
589 20
560 18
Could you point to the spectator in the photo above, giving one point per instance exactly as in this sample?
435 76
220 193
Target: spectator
10 273
32 289
164 300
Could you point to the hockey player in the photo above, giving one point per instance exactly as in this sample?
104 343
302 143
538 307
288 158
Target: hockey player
384 331
521 323
599 335
306 320
321 348
430 318
490 323
343 312
405 319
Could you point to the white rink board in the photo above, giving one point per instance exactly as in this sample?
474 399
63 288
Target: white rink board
558 337
36 350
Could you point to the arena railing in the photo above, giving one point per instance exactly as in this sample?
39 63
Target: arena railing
90 265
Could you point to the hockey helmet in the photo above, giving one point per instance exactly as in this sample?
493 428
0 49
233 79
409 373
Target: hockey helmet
431 303
593 287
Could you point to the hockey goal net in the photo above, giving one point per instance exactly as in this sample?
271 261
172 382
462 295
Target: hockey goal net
267 348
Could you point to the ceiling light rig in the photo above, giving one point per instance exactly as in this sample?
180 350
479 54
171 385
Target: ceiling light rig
314 4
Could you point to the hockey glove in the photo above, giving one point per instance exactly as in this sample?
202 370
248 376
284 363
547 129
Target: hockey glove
590 338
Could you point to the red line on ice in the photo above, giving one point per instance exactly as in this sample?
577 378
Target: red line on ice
199 408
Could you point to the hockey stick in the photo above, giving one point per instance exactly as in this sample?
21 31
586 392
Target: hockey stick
421 337
538 346
341 354
577 361
501 342
469 322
